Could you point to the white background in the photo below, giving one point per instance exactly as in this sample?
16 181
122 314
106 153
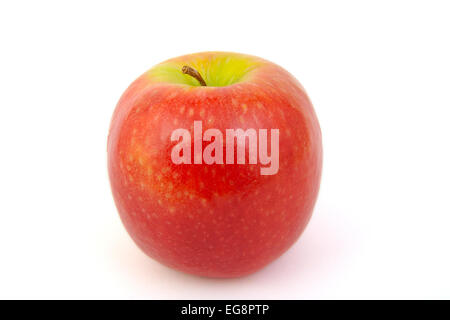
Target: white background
377 72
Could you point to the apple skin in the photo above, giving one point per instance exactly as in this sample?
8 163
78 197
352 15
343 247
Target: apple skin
214 220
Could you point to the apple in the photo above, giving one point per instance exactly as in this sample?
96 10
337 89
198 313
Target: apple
215 161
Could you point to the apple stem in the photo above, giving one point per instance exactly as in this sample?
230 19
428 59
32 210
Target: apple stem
193 73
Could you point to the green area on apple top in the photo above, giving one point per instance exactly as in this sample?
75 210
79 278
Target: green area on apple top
218 70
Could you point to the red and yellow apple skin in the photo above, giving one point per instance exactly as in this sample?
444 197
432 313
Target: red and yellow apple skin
219 220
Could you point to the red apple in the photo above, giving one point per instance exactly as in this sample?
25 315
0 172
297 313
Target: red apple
185 200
